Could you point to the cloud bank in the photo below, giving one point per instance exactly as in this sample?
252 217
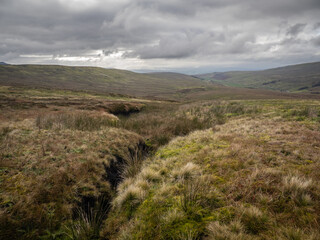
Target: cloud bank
170 35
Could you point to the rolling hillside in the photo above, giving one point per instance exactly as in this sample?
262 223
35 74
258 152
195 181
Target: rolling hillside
95 79
164 85
295 78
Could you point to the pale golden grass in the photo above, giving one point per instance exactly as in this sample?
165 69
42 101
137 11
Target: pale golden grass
254 220
150 175
76 120
132 196
286 233
233 231
187 172
296 185
172 216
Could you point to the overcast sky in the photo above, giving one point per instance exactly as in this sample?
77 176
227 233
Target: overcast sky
190 36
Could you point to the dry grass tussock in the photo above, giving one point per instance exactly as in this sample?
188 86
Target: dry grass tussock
75 121
232 231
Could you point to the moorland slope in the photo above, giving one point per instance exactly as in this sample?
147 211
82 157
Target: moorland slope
295 78
96 79
164 86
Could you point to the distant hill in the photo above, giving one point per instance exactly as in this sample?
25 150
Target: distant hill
295 78
99 80
161 85
171 75
3 63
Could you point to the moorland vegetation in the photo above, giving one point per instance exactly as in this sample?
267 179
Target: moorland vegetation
238 164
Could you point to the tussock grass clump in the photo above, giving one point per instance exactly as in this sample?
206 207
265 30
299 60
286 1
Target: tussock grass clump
133 162
187 172
150 175
296 234
197 195
75 121
254 220
298 189
233 231
88 222
130 198
296 185
173 215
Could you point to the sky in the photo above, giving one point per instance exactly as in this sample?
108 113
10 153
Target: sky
188 36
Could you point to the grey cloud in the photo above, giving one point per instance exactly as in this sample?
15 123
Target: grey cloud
296 29
316 26
279 9
175 46
316 41
181 30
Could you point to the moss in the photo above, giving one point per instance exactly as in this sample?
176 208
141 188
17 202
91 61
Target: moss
179 149
152 221
165 153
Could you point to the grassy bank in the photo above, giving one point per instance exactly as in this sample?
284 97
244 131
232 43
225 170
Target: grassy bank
251 178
